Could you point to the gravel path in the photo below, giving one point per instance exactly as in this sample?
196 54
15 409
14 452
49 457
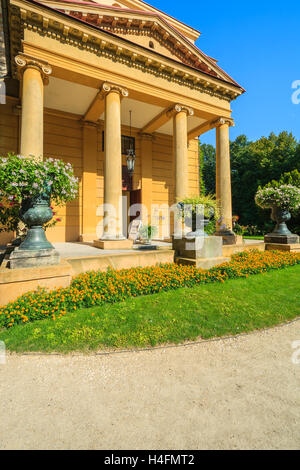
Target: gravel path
226 394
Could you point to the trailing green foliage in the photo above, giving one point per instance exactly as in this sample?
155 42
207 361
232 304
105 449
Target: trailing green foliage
200 205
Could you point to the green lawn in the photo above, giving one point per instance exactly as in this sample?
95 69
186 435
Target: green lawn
253 237
206 311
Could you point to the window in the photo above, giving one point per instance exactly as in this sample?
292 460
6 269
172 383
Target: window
127 143
151 45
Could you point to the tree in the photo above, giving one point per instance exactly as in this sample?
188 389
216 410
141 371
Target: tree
253 164
208 153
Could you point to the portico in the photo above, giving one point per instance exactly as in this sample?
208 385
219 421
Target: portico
78 83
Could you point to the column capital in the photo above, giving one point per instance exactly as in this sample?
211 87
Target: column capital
108 87
179 108
221 121
24 62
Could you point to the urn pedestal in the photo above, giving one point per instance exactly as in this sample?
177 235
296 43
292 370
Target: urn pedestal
202 252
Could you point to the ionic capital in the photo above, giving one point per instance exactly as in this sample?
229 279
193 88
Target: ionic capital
179 108
24 62
113 87
222 121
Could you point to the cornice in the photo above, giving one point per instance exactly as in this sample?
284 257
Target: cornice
62 28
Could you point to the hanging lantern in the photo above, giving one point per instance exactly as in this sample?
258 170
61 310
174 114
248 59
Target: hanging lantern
130 158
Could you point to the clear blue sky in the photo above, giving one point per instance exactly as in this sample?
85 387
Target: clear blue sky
257 43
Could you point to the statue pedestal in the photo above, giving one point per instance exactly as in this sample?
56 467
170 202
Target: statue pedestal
277 238
32 258
289 247
202 252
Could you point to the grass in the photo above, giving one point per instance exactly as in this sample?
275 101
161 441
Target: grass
206 311
253 237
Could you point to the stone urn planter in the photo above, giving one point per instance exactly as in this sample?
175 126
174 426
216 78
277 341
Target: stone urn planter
196 212
192 223
282 198
35 212
27 185
280 216
281 233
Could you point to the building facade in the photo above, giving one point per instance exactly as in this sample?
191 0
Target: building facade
86 81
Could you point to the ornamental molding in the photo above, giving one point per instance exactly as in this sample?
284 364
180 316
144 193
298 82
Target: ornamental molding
24 62
111 48
108 87
150 27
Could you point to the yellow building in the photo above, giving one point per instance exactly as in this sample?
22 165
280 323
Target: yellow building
75 71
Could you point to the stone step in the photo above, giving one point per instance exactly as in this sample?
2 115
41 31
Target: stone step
229 250
203 263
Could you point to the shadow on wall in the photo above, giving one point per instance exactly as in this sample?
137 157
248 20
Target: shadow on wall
73 220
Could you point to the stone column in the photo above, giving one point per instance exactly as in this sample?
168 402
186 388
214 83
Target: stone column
181 114
223 180
146 160
113 229
34 74
180 143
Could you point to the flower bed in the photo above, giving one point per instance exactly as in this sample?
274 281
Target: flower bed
97 288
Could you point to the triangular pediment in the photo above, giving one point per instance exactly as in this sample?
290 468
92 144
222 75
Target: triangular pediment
148 29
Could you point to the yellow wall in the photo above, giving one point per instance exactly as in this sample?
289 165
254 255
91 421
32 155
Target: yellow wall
163 178
63 138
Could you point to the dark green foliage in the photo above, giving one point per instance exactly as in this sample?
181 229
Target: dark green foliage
255 164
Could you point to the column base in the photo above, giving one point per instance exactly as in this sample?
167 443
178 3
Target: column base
113 244
229 238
